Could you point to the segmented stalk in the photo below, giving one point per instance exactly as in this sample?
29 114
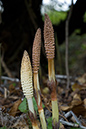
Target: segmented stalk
49 49
36 62
26 82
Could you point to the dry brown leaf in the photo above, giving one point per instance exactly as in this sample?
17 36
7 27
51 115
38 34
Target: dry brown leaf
82 79
76 100
60 90
14 108
79 110
45 90
84 103
65 108
20 125
77 86
62 126
11 88
18 122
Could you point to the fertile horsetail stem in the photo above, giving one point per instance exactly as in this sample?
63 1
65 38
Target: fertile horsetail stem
49 49
36 51
36 62
26 82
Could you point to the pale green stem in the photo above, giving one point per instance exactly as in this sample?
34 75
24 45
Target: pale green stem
55 111
38 89
51 72
41 112
35 127
40 108
42 118
31 109
30 105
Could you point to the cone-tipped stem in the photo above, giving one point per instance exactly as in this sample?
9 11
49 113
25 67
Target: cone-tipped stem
26 76
36 51
36 62
49 49
26 82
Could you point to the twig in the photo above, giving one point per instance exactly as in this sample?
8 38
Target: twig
6 68
63 76
63 117
0 64
10 79
68 114
68 123
5 92
13 122
66 36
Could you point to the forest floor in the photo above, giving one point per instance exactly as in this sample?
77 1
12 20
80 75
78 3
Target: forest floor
72 103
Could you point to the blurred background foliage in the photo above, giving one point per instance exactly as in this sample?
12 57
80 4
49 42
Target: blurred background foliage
77 42
77 53
20 20
56 16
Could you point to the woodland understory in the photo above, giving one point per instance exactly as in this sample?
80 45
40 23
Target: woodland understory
69 55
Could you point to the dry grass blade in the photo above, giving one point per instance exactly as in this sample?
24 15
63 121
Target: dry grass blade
49 38
26 76
36 50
